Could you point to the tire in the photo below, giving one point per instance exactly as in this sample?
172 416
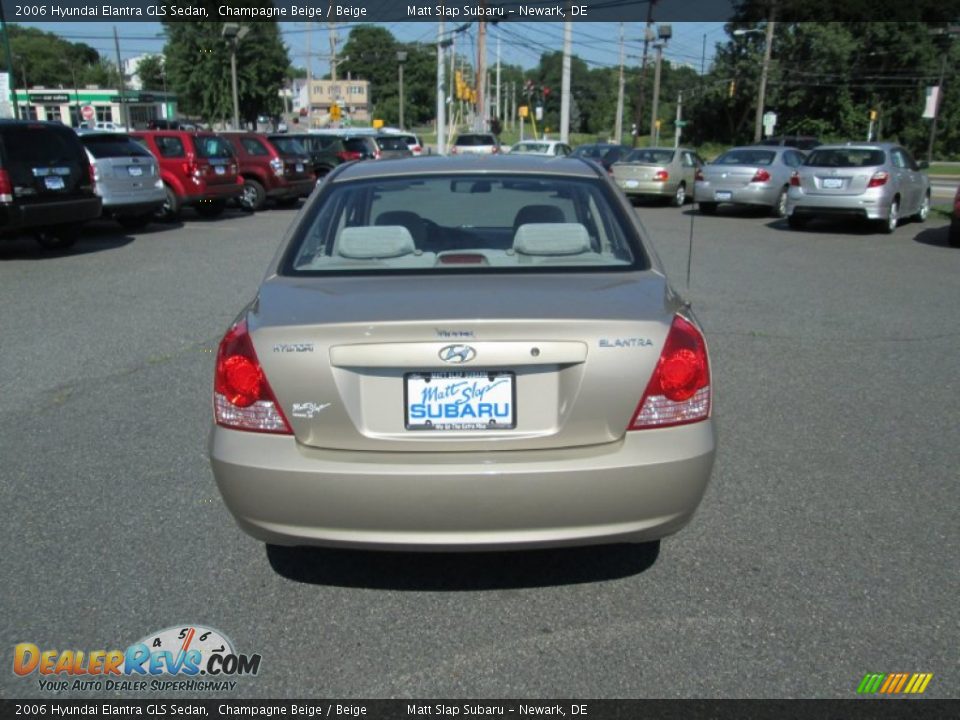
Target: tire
211 209
779 209
888 226
924 211
797 222
708 208
680 196
134 222
170 210
254 196
58 238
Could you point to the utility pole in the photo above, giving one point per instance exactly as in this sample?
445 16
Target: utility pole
123 89
647 37
333 50
499 114
658 46
945 36
441 96
481 122
758 120
677 125
565 81
401 59
618 126
12 75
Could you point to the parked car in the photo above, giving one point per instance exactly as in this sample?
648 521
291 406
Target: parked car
553 148
475 144
126 177
665 173
463 353
753 175
279 169
198 170
325 151
954 236
46 183
392 147
801 142
879 182
604 153
103 125
412 141
171 124
360 147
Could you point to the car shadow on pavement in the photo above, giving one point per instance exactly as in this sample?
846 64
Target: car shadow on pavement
831 226
26 248
935 236
461 571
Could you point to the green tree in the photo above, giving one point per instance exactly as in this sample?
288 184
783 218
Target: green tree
151 72
42 58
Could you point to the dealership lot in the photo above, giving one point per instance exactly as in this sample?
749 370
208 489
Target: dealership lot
824 549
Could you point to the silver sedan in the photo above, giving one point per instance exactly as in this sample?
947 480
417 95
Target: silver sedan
755 175
666 173
880 182
464 353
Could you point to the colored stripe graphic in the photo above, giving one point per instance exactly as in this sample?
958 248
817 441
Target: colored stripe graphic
894 683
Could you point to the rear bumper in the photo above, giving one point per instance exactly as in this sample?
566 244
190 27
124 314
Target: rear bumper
31 216
753 194
213 192
648 189
641 488
137 204
860 206
291 189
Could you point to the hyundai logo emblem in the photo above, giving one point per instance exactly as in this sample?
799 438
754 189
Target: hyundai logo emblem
457 354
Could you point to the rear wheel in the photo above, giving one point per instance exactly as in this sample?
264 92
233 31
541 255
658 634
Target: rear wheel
211 208
134 222
58 238
890 224
924 211
779 209
680 196
253 197
170 210
708 208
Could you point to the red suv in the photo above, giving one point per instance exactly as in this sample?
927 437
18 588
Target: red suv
276 168
197 168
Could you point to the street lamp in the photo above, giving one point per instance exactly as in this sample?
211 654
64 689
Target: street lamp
758 120
401 59
233 33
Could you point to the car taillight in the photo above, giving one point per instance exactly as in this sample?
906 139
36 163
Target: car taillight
760 175
698 175
661 176
376 154
93 174
416 149
192 169
276 164
6 187
878 179
679 391
242 398
347 155
795 179
453 150
496 150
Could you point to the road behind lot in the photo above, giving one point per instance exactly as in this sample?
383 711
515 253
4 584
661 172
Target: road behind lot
825 548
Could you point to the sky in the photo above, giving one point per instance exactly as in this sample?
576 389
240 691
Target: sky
520 43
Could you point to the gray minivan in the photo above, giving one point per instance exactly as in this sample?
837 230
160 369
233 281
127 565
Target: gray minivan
126 177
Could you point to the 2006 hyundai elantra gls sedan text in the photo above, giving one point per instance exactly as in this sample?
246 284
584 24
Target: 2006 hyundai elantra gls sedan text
464 353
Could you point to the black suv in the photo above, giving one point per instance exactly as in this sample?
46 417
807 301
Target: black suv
46 184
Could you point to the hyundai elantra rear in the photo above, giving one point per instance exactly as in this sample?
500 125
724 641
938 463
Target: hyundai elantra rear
463 353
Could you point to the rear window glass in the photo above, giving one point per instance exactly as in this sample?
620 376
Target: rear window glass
169 146
392 143
531 147
477 223
211 146
289 146
746 157
254 146
651 157
845 157
360 145
39 146
471 140
106 146
592 151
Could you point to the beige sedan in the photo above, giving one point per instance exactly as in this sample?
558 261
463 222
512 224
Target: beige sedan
667 173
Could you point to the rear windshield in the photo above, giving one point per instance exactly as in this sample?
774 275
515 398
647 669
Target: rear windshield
392 143
531 147
483 223
470 140
746 157
651 157
845 157
360 145
107 146
211 146
39 145
288 146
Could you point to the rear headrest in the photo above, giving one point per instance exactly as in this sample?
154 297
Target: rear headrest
551 239
381 241
538 214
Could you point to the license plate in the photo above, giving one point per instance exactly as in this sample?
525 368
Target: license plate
219 169
722 195
631 183
832 183
134 171
299 167
53 182
460 401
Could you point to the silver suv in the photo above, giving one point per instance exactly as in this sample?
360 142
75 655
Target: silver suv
879 182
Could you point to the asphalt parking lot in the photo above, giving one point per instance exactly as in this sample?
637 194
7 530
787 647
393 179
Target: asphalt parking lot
825 548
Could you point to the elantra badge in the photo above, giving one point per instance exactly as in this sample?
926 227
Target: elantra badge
457 354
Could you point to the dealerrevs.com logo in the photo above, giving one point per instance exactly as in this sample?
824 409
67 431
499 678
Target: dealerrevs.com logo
188 657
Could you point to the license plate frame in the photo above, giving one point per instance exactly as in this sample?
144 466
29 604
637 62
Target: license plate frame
451 385
723 195
832 183
632 183
135 170
219 170
53 182
299 167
